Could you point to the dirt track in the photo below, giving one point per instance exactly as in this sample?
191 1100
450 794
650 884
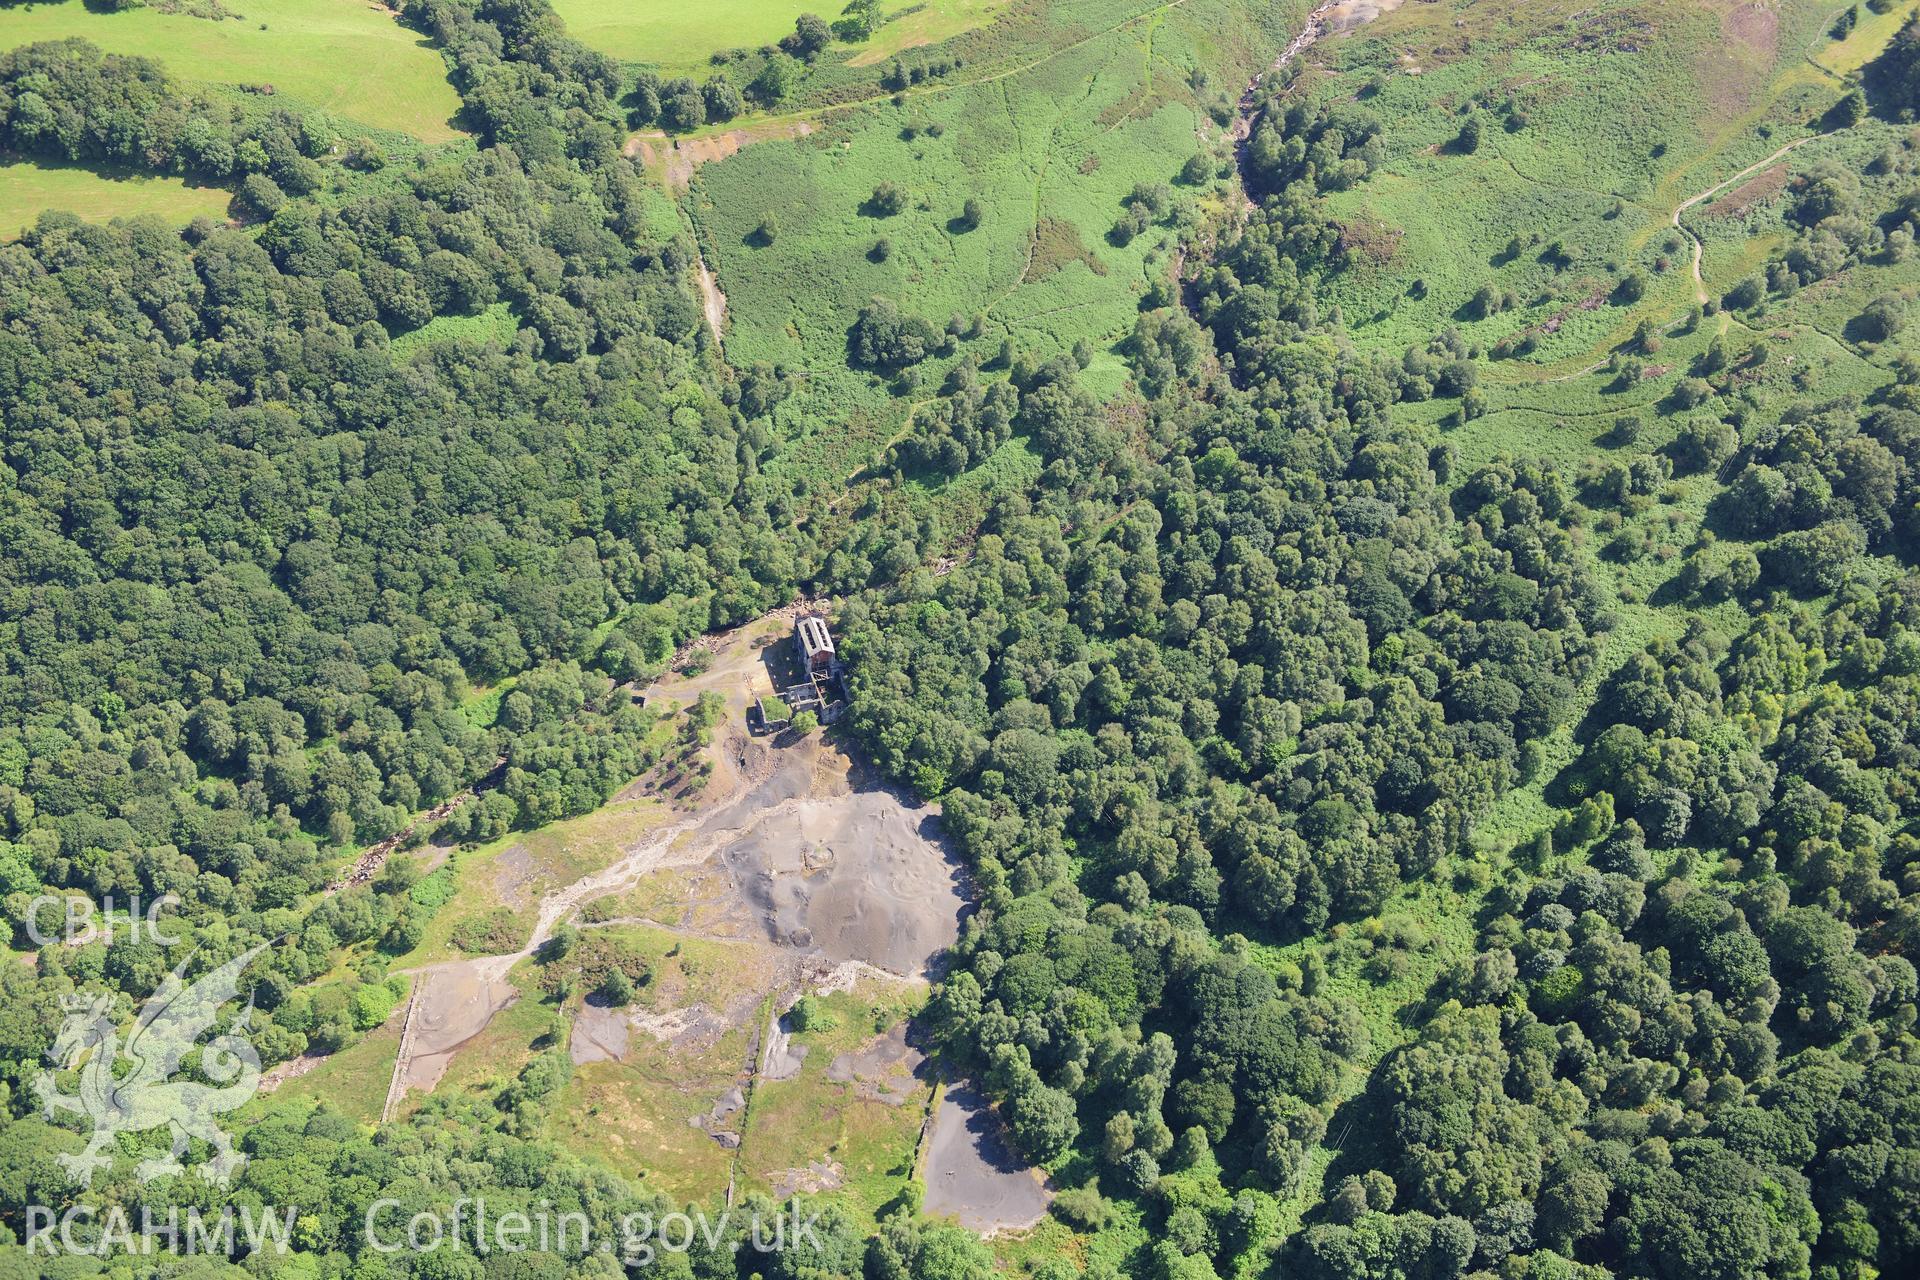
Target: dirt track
713 303
675 160
802 849
796 847
1699 285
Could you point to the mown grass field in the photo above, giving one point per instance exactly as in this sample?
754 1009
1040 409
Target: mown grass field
914 25
28 187
348 57
1051 150
681 38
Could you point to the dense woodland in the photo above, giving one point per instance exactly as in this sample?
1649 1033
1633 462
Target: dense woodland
260 572
1270 660
1252 661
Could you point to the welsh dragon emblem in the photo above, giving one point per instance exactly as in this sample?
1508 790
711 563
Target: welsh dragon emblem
147 1097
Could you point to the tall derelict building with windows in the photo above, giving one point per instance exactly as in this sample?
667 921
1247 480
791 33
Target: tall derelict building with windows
813 645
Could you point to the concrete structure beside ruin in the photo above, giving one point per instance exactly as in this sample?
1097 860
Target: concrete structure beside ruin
774 714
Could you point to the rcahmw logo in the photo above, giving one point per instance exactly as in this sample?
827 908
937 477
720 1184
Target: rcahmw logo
80 922
87 1231
144 1096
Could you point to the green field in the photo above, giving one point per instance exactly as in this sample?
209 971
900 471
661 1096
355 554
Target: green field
348 57
632 1116
497 324
811 1117
27 188
681 37
354 1080
1598 123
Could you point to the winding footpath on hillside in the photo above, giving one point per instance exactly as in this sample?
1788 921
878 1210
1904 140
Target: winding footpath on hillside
1699 285
1700 294
1325 18
713 303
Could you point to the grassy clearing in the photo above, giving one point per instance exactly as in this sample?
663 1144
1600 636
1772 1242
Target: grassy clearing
352 59
1597 121
685 971
663 896
811 1118
633 1117
914 25
637 1116
1869 36
498 1054
28 188
482 706
964 498
496 323
505 880
677 36
1383 966
1051 151
476 897
682 38
353 1081
558 855
653 1115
